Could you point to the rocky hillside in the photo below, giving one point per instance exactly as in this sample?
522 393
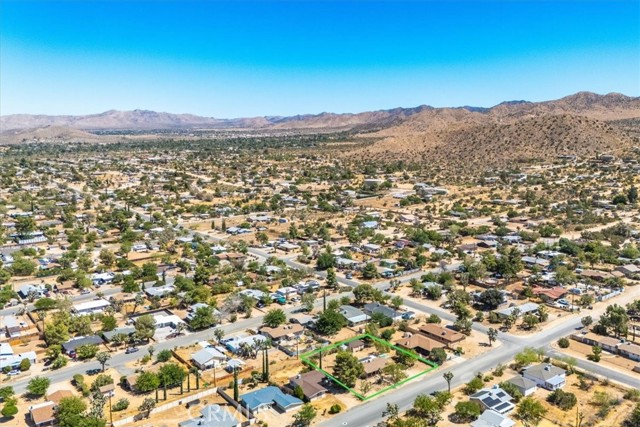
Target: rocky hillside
584 124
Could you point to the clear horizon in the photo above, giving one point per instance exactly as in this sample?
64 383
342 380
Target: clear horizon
262 58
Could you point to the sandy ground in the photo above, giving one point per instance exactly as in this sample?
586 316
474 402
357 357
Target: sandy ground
613 361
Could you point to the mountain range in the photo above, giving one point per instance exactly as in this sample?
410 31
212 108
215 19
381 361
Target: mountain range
583 124
610 106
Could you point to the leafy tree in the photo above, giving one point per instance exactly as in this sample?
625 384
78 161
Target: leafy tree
563 342
163 356
274 318
369 271
614 321
596 353
587 321
474 385
145 327
330 322
492 334
308 300
332 280
203 318
38 386
109 323
102 358
10 408
347 368
325 261
530 411
147 381
438 355
427 408
25 365
6 392
305 415
526 357
86 351
491 299
467 411
44 304
512 390
23 267
171 374
394 372
56 333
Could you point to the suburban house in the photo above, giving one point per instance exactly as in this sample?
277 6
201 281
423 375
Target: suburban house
207 358
353 315
235 344
375 308
491 418
42 414
57 396
267 398
629 270
91 307
420 344
525 385
355 345
166 320
303 319
546 376
212 416
127 331
441 334
372 364
69 347
629 350
12 326
311 384
527 307
8 359
159 291
495 399
550 294
108 390
282 332
609 344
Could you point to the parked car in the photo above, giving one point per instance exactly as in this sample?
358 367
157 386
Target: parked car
409 315
348 276
131 350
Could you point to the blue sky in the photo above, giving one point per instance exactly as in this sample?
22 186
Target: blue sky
244 58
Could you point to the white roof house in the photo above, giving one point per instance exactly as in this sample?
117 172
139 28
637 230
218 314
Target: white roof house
159 291
491 418
208 357
90 307
166 320
546 376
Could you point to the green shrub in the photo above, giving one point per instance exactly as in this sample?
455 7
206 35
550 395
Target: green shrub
334 409
25 365
563 342
121 405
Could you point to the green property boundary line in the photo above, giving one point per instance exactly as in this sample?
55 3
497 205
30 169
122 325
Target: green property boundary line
306 358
